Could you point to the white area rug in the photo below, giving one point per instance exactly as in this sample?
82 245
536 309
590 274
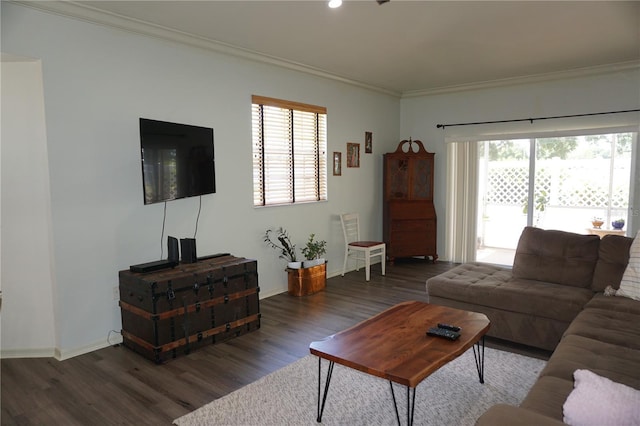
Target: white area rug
452 395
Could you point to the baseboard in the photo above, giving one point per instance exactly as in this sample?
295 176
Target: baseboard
351 266
27 353
331 274
264 295
113 339
62 354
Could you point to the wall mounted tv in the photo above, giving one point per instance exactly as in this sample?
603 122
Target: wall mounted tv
177 160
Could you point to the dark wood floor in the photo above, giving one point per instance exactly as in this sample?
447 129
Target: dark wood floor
116 386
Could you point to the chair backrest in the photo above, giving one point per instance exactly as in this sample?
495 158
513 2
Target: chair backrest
350 227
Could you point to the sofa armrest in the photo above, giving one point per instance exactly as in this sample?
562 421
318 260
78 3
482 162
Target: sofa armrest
508 415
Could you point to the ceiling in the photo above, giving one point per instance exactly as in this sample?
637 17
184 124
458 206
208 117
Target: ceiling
406 46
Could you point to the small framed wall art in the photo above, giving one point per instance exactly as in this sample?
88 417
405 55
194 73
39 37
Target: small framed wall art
368 142
337 163
353 154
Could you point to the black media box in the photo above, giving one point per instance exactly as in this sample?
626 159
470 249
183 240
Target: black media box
188 250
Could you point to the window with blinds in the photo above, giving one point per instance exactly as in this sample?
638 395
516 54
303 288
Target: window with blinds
289 152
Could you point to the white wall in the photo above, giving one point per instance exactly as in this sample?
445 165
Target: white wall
27 276
97 82
598 93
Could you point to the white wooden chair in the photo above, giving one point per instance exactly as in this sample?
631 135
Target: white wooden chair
359 249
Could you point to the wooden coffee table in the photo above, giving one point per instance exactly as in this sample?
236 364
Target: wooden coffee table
394 345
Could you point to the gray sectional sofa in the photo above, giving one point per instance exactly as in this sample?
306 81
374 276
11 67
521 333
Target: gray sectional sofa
553 298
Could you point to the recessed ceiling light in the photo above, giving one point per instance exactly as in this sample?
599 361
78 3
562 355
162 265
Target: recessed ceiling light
335 3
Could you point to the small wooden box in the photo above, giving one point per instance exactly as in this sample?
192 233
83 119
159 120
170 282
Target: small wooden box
306 281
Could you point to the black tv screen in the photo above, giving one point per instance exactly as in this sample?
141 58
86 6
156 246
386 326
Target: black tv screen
177 160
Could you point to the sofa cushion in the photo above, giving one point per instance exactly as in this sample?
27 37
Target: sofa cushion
618 363
556 256
548 395
492 286
596 400
613 257
609 319
471 274
630 283
617 304
508 415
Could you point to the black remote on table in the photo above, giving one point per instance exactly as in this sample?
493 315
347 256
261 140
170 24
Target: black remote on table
441 332
449 327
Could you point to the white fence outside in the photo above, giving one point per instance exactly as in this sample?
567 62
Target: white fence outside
568 194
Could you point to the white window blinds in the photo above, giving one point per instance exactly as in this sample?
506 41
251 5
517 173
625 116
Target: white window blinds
289 152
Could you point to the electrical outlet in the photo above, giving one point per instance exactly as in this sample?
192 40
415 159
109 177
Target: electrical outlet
116 293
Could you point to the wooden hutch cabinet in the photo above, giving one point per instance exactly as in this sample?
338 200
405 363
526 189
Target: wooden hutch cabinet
409 215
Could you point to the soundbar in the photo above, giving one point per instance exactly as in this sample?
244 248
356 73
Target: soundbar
213 256
152 266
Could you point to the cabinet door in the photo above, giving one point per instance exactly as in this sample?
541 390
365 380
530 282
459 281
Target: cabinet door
421 187
408 178
397 179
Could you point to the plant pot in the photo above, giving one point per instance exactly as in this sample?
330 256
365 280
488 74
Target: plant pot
312 262
617 224
294 265
306 281
597 224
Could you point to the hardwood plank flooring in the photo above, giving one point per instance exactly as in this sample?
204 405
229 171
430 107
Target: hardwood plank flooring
115 386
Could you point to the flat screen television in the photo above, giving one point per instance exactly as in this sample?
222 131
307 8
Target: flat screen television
177 160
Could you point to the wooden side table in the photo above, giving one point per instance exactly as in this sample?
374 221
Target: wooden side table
602 232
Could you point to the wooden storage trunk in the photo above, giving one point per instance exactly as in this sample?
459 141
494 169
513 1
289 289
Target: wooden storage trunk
174 311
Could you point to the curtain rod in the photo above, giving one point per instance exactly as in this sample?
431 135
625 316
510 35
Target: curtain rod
442 126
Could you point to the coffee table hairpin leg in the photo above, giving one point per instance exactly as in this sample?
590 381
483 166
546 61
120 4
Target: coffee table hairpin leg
411 404
479 357
326 387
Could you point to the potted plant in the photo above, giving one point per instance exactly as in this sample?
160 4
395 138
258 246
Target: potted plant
618 223
313 251
597 222
278 239
312 277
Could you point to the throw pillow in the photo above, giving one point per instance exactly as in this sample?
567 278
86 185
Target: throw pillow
598 401
630 284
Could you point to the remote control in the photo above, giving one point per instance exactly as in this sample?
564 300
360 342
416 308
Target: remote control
449 327
441 332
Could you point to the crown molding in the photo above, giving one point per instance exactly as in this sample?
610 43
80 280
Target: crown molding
529 79
92 15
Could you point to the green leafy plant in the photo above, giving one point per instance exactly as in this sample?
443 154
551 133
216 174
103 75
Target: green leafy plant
278 239
314 249
540 201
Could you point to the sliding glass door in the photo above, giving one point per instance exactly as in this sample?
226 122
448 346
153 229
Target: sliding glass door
551 183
